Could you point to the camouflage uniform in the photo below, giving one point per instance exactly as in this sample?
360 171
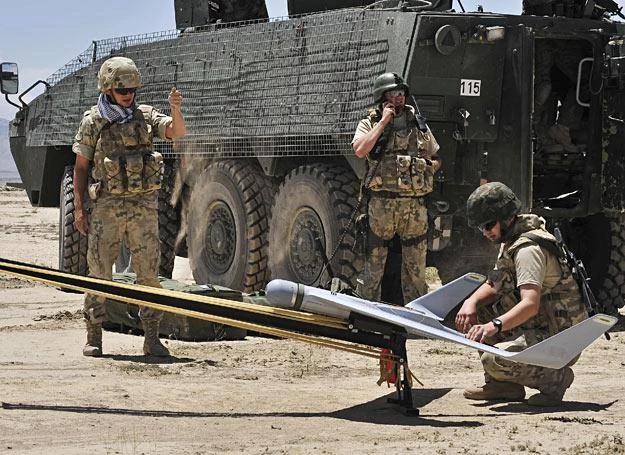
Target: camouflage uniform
561 306
397 184
127 177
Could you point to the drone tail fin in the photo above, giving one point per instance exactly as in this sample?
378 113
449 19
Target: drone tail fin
444 299
557 351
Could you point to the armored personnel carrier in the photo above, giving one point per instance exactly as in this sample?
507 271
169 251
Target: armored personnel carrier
266 184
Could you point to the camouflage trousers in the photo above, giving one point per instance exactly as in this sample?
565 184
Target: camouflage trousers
546 380
406 217
136 222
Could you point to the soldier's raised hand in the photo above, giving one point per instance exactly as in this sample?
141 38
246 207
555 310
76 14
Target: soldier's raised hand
388 112
175 99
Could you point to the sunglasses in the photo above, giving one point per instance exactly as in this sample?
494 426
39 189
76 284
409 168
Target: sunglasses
125 91
487 226
394 93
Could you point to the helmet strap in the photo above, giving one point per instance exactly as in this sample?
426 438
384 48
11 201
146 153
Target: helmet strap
506 228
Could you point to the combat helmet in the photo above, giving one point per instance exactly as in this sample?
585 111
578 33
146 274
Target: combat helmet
492 201
118 72
385 82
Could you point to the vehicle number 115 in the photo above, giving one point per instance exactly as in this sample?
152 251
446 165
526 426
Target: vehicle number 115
470 87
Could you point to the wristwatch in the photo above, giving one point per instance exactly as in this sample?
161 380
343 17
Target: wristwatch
498 324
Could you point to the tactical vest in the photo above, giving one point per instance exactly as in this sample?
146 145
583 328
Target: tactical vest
561 306
124 163
402 168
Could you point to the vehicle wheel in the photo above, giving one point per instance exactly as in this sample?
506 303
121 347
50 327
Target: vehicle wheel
228 223
311 215
611 291
72 245
168 222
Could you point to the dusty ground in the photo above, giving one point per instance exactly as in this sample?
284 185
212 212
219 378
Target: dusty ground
257 396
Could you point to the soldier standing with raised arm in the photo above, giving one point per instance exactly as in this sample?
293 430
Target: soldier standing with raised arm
402 159
116 137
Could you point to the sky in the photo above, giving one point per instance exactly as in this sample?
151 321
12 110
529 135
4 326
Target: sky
43 38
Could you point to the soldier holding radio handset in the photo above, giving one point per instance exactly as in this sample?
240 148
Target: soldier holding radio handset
401 152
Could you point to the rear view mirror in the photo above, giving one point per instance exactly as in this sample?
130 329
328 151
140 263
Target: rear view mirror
9 84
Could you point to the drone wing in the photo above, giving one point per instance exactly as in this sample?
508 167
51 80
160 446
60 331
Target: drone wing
423 316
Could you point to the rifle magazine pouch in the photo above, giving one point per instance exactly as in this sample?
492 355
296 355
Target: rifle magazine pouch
114 175
134 172
417 173
152 171
422 177
404 181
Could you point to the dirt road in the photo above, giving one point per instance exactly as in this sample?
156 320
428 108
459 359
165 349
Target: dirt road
257 396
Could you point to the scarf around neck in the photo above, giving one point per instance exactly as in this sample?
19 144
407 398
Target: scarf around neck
113 112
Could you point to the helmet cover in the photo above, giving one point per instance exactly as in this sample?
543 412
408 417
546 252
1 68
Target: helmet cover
118 72
492 201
